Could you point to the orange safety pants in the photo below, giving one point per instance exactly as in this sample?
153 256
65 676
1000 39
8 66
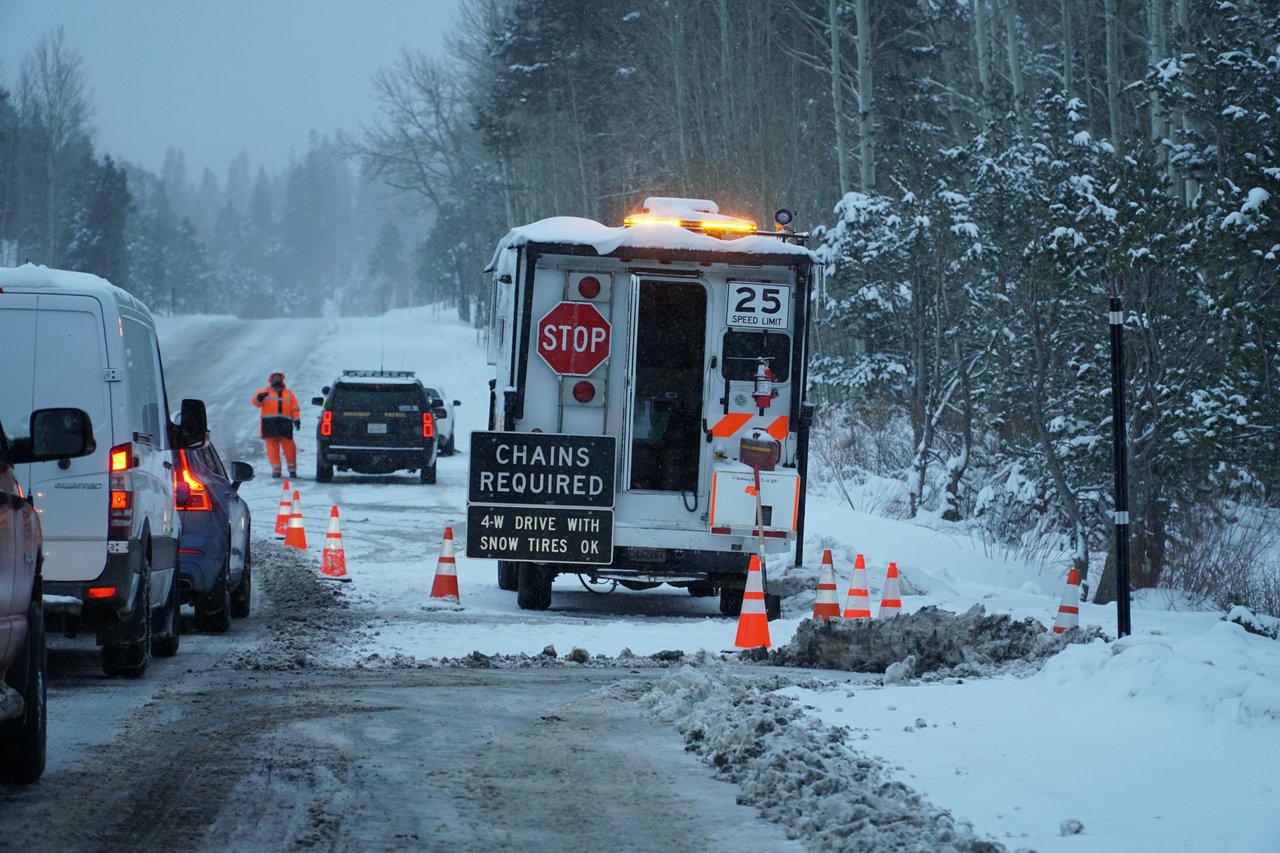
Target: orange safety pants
275 443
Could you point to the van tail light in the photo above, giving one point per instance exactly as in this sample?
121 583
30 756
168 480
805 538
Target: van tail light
120 512
198 493
428 425
326 424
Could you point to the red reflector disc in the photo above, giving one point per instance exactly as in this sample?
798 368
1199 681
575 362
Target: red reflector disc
589 287
584 391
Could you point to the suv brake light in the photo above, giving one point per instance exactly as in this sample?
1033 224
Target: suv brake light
198 494
326 423
428 425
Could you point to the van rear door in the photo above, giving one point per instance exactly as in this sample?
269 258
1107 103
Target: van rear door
63 354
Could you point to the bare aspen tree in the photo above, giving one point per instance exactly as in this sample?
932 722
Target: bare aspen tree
51 90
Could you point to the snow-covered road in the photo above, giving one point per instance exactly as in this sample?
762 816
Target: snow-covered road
360 716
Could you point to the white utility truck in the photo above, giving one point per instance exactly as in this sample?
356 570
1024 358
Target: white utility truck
647 419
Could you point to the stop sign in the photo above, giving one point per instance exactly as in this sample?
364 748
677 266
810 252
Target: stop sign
573 338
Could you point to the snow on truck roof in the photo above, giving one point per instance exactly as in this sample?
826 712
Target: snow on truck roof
41 278
658 230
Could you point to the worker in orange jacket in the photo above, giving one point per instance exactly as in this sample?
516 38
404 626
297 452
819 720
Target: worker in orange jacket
280 417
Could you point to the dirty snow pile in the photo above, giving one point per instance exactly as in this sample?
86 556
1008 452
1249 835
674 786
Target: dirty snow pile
799 771
928 641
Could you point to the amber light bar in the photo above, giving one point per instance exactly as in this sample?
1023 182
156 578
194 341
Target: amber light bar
703 225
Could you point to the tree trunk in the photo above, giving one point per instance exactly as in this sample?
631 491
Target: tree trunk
837 101
1114 83
1068 49
866 99
1181 17
982 45
1014 53
1157 50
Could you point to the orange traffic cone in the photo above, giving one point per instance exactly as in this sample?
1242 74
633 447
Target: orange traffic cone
333 560
445 586
858 603
753 623
286 509
891 599
295 536
827 606
1069 609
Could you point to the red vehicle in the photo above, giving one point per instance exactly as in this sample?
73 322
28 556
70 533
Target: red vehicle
54 434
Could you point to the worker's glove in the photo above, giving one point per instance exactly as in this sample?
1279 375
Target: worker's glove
262 395
297 423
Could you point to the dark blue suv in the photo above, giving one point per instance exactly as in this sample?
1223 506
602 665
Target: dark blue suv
213 553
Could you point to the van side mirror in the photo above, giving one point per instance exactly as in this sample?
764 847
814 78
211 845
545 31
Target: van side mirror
457 402
57 434
194 426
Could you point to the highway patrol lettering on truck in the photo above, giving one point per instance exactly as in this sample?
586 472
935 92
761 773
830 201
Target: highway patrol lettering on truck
647 416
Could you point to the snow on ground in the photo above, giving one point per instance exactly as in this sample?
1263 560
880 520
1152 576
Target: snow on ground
1165 740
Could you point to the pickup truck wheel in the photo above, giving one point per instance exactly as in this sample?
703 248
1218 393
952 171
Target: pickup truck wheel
213 610
166 624
508 576
130 659
533 590
730 601
324 469
22 751
242 598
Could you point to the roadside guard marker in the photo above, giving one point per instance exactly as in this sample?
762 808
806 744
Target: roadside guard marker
1069 609
296 536
891 600
858 604
827 606
445 586
286 509
333 561
753 623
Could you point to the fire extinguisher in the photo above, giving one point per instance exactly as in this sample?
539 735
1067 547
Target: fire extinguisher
764 392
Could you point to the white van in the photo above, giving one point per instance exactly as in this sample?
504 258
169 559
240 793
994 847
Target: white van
110 525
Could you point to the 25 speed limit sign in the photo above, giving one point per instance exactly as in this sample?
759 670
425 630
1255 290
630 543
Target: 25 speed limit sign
755 305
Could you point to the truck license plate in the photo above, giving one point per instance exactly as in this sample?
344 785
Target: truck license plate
378 429
647 555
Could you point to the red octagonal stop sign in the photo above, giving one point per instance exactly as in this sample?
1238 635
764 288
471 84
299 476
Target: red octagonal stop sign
573 338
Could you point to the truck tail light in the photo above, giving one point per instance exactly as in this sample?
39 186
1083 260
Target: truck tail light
428 425
120 512
326 424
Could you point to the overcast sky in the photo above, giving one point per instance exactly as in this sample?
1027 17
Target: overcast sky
217 76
